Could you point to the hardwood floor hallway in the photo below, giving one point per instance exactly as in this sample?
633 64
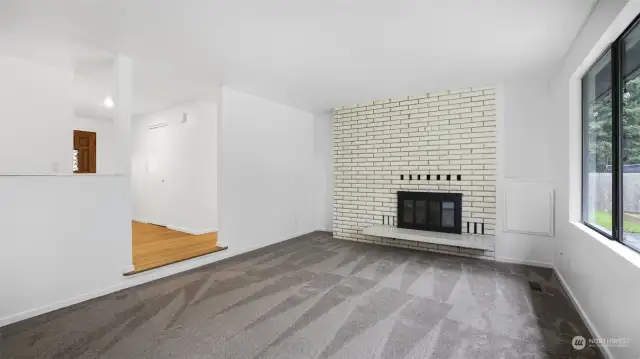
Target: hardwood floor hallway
157 246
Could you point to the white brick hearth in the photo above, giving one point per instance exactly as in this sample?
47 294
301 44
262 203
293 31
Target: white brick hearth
465 240
382 147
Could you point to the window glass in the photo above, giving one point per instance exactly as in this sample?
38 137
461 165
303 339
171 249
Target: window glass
630 131
448 214
597 145
408 211
76 168
421 212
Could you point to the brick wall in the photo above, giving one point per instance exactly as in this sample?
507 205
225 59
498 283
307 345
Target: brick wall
446 133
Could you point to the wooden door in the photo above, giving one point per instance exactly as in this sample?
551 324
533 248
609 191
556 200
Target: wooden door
85 143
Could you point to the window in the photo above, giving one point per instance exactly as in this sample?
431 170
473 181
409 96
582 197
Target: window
76 161
611 141
630 137
597 132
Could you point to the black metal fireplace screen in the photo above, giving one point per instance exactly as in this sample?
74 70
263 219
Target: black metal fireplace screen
430 211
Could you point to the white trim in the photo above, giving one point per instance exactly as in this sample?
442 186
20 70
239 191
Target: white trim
524 262
140 220
582 313
550 202
500 161
189 231
128 268
137 279
158 125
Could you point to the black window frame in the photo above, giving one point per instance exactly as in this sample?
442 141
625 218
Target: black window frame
617 67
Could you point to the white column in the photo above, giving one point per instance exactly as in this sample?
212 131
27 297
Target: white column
122 97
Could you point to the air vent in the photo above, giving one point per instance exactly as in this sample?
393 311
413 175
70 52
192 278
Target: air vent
535 286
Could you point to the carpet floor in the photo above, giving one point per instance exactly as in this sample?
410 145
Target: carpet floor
318 297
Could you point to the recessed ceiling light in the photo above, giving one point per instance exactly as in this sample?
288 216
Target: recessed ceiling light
108 102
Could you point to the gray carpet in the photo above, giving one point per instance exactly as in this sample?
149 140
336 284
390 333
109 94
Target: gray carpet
317 297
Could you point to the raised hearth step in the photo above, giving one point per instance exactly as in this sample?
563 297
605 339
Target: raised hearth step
465 240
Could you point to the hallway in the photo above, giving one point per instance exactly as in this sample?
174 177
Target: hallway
157 246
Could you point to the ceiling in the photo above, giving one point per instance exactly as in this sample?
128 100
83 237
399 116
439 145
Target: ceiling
312 55
155 87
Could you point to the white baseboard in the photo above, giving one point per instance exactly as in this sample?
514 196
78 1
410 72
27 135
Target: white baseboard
127 282
58 305
190 231
585 318
222 244
180 229
128 268
524 262
138 279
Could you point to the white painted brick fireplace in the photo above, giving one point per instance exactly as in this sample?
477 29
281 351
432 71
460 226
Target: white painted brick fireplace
439 142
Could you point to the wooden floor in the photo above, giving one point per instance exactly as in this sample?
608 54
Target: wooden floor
156 246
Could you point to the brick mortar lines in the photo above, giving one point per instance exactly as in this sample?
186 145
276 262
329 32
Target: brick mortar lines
446 133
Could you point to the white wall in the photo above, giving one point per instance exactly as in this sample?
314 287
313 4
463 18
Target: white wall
191 183
35 117
64 236
67 238
268 186
323 151
603 276
524 132
37 120
106 160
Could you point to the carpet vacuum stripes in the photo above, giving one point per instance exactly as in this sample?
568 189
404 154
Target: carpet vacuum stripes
319 297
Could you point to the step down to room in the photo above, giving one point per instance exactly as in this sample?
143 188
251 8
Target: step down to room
465 240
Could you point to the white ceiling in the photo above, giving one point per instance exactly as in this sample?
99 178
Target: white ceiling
312 54
155 87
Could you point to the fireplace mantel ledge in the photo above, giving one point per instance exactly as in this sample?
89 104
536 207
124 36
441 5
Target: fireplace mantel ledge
465 240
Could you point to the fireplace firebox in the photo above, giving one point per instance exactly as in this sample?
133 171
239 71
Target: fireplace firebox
430 211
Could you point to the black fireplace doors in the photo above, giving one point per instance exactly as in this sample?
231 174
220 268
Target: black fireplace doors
430 211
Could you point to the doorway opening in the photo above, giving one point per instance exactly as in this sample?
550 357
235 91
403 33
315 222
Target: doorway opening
173 172
156 246
84 152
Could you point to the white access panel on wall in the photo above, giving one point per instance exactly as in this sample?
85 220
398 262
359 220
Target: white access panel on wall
529 207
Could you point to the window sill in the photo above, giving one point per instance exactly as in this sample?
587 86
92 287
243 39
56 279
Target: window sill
620 249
